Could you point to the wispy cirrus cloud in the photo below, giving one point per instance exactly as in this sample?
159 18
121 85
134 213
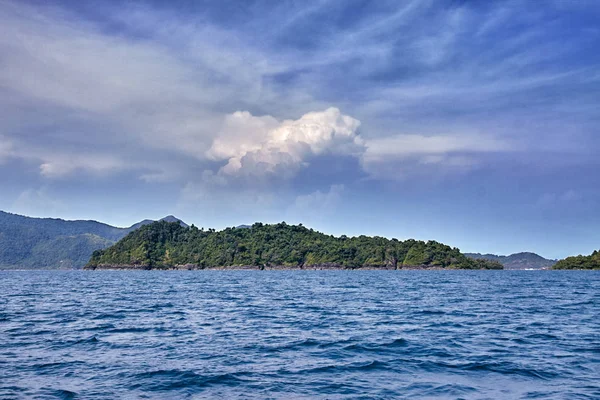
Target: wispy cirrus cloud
70 84
397 157
311 206
38 202
64 165
5 148
163 84
261 103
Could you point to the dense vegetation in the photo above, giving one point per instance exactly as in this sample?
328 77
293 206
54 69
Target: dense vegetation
163 244
47 243
580 262
523 260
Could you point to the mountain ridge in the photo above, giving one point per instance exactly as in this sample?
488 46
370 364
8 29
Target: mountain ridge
55 243
168 218
521 260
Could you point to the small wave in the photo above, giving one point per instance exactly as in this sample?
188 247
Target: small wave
102 327
67 344
396 343
368 366
400 342
430 312
59 394
119 315
305 343
129 330
91 339
162 305
498 367
53 365
593 350
65 394
174 379
42 332
56 367
544 336
542 394
446 390
310 342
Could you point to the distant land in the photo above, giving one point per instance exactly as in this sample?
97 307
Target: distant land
525 260
164 245
50 243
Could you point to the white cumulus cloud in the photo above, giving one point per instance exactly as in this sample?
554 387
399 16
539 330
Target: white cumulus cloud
258 146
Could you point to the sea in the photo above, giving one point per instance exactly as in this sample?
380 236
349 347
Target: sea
300 334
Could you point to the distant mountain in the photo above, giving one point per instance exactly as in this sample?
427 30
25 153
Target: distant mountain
140 224
525 260
50 243
168 218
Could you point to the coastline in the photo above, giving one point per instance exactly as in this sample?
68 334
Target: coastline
314 267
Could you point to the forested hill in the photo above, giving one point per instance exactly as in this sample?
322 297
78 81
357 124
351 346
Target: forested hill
48 243
580 262
525 260
166 245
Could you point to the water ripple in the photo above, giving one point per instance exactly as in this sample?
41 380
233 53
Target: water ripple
299 334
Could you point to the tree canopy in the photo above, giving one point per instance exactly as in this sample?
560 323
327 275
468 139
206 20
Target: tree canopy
163 244
580 262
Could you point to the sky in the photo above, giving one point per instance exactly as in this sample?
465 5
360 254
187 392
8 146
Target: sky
472 123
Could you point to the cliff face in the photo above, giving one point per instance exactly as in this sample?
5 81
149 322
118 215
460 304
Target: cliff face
163 245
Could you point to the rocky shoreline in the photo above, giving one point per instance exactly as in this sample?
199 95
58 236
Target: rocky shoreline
312 267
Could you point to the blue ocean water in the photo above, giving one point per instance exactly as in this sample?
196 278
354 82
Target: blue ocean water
300 334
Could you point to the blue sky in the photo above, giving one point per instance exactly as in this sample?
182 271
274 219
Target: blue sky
472 123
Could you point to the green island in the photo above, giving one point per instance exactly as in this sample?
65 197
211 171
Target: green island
168 245
580 262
